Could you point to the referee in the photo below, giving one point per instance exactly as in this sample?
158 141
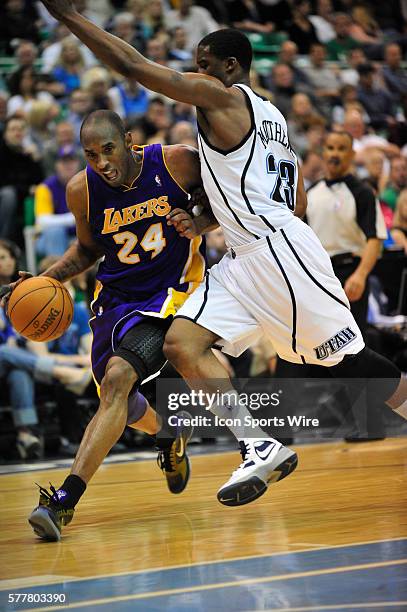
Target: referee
346 217
344 214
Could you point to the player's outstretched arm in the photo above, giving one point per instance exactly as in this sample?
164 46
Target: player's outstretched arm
197 89
84 252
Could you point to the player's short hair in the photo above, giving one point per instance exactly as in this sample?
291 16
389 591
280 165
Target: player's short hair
104 116
229 42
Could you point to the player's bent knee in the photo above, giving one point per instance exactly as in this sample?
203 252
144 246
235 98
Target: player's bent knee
177 349
119 378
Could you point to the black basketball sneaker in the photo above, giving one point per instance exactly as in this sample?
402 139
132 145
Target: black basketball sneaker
173 460
50 515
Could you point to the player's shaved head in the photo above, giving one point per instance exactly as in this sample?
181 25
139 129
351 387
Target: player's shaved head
105 120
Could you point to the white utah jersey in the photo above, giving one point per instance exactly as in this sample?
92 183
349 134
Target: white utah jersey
252 187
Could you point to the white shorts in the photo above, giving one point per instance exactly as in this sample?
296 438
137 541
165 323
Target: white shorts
282 286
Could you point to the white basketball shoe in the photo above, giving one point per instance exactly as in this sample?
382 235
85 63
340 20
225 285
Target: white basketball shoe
264 462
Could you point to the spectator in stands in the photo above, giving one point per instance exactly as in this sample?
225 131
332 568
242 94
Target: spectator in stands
347 100
99 11
288 54
126 27
51 53
301 30
339 47
399 229
129 99
155 20
19 173
52 216
394 76
398 133
376 101
278 12
156 121
80 104
41 123
64 137
157 50
349 75
97 81
3 111
362 141
312 168
365 29
196 20
26 54
23 91
324 79
282 87
389 16
18 20
180 111
397 182
70 65
323 21
247 15
138 9
301 117
182 133
19 367
138 134
178 51
375 169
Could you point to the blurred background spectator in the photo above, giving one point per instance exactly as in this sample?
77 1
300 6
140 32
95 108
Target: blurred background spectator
53 220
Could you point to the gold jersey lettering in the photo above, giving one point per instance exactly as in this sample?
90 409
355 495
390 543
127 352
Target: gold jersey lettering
115 219
112 224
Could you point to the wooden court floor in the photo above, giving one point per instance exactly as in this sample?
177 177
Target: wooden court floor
333 536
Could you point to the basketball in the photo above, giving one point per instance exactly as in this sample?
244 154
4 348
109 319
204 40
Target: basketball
40 309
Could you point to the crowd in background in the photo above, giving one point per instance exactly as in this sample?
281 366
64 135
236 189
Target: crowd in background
326 64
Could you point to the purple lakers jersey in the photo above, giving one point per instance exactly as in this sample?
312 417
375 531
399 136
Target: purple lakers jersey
143 255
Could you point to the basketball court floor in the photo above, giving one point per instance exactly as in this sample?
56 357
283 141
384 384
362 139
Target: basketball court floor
333 536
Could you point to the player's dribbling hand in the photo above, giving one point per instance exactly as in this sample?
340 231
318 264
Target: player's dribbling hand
7 290
59 8
183 223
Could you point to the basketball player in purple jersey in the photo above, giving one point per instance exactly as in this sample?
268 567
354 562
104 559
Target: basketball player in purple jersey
126 204
276 279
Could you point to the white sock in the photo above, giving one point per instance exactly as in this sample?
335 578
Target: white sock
402 410
240 420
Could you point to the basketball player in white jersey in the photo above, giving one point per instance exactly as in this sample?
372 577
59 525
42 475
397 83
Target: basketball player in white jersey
276 278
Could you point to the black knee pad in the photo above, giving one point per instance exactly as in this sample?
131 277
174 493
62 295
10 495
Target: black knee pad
380 374
142 347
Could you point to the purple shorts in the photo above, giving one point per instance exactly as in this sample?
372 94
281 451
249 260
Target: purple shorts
114 318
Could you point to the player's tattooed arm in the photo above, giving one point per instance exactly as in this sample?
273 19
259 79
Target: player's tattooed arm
84 252
198 89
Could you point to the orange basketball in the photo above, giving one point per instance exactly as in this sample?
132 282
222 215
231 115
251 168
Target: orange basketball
40 309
